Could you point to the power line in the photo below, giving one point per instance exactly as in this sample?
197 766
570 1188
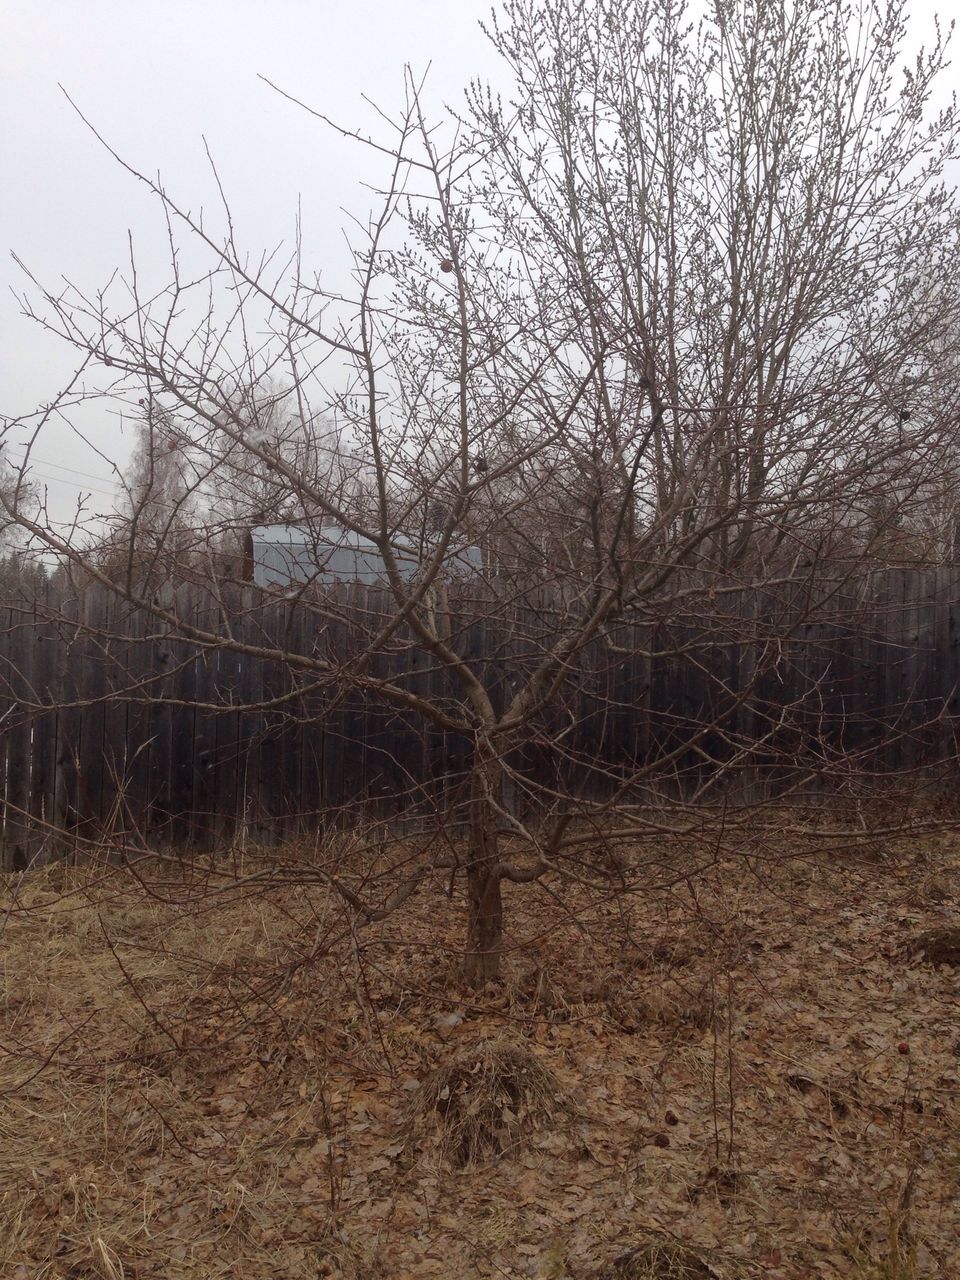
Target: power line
83 488
58 466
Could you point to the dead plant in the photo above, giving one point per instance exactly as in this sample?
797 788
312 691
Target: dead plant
487 1099
660 1260
938 946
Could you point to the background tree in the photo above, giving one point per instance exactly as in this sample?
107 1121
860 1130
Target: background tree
643 328
244 492
22 568
159 527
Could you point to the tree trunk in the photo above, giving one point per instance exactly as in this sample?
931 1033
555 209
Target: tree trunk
485 902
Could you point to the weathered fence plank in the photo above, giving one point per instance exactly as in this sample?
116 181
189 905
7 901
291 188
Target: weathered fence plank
113 724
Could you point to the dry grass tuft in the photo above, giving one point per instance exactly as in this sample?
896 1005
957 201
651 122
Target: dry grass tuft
938 946
488 1098
659 1260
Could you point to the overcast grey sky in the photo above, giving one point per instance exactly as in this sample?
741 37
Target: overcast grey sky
156 77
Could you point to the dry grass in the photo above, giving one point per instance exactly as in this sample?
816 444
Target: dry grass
489 1097
199 1085
659 1260
938 946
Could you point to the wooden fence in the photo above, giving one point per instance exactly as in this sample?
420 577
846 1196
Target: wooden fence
111 722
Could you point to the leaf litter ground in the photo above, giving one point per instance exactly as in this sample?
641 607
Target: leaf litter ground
749 1075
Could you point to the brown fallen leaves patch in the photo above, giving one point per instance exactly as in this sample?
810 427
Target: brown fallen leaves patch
200 1086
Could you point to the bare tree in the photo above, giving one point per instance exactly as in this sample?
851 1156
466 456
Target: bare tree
641 329
155 530
18 492
244 492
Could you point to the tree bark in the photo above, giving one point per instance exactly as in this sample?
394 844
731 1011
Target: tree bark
485 901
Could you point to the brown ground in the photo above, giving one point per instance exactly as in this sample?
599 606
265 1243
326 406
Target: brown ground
755 1070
